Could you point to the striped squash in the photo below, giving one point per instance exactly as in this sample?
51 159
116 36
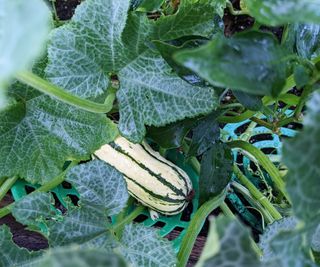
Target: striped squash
151 179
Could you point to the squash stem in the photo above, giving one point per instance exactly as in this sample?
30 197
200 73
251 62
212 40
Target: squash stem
54 91
44 188
6 186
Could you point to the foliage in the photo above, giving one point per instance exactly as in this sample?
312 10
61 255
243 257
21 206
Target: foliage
168 72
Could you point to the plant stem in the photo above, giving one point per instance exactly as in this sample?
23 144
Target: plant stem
195 226
303 99
118 226
246 193
6 186
231 105
263 123
62 95
226 210
256 193
236 12
44 188
264 161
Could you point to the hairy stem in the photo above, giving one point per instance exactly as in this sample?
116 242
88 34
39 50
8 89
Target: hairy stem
6 186
256 193
264 161
119 226
195 226
44 188
48 88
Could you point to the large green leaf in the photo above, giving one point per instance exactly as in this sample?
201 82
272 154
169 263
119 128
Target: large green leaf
279 12
100 186
233 249
103 193
249 101
216 171
74 256
194 17
142 246
11 254
33 209
38 134
302 156
272 230
103 39
205 134
250 62
22 36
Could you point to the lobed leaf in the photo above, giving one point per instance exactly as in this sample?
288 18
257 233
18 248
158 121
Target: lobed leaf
142 246
103 39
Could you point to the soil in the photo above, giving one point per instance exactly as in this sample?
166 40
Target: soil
35 241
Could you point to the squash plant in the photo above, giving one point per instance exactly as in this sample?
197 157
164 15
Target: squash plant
165 72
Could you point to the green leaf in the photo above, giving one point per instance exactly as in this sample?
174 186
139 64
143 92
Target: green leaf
171 135
167 51
103 39
82 226
302 76
142 246
308 40
39 134
272 230
33 209
216 171
103 193
303 183
150 5
11 254
249 101
280 12
100 186
22 37
240 62
219 6
205 134
194 17
235 245
290 250
75 256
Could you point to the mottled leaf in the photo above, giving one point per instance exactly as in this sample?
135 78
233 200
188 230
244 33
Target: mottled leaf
142 246
279 12
100 186
235 245
302 155
75 256
219 6
103 39
156 96
82 226
216 171
39 134
302 75
22 36
272 230
33 208
240 62
194 17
